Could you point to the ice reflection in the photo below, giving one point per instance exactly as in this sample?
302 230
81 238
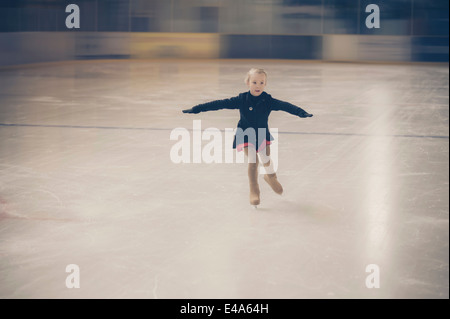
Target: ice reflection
379 205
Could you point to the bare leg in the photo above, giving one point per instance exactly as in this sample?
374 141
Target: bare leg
253 175
270 177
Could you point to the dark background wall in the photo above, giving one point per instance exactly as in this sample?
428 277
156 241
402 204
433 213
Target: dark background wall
247 28
311 17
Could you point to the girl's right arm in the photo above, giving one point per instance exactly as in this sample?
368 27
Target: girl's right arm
231 104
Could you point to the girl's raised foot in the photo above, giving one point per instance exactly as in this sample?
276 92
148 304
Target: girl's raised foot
272 180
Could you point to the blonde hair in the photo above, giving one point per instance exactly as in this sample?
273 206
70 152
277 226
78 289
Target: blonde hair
253 72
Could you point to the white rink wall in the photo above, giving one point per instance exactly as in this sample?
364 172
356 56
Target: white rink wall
36 47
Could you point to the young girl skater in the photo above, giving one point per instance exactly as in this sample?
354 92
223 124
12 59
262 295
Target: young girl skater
252 134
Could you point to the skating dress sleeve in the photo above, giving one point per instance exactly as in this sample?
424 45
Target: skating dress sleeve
278 105
230 104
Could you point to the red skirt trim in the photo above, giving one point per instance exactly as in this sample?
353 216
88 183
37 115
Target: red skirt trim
263 145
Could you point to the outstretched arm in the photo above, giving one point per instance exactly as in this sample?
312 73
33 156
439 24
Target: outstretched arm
230 104
278 105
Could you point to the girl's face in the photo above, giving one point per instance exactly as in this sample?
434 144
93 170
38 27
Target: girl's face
256 84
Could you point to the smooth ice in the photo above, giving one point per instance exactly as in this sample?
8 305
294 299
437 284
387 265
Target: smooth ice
86 178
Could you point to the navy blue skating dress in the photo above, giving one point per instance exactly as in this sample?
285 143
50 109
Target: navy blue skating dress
252 129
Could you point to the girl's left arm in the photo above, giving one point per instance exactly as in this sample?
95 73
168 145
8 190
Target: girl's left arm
278 105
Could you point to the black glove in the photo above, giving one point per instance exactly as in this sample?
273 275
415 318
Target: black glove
306 114
189 111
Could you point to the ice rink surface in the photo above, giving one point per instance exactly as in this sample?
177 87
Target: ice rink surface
86 178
